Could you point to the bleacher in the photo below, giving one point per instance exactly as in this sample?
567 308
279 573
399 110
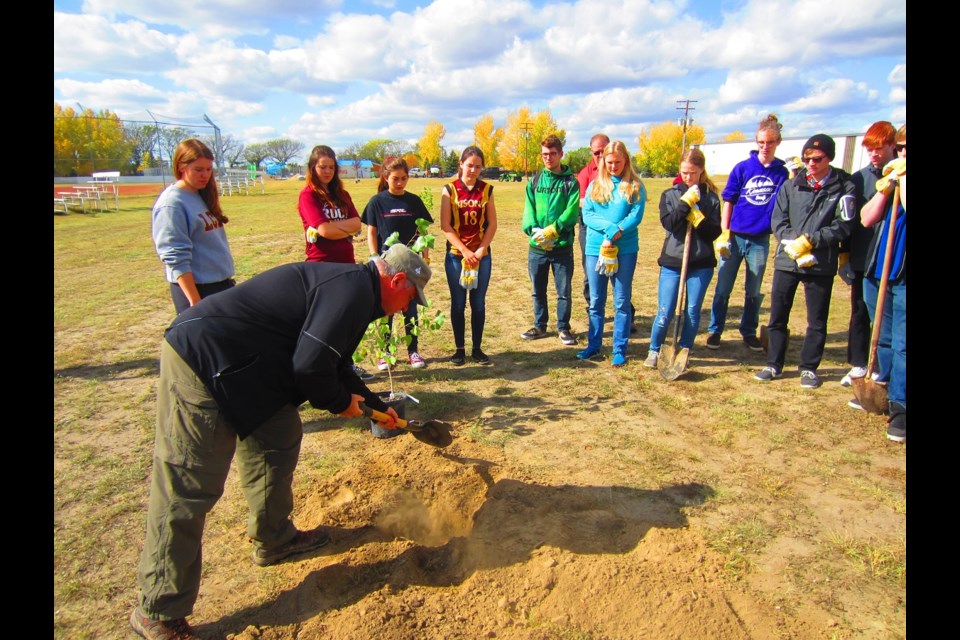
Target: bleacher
239 181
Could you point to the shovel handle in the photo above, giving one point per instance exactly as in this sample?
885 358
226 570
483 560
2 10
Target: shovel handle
379 416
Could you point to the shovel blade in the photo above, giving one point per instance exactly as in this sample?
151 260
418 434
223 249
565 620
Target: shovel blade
765 339
432 432
672 363
871 396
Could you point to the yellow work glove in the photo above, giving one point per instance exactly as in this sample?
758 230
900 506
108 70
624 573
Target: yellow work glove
607 263
793 165
722 245
546 238
892 171
691 196
797 248
312 234
695 217
468 276
806 261
845 269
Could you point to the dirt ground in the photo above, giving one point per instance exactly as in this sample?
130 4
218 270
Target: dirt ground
577 501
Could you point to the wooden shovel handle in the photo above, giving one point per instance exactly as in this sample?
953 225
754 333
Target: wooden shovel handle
882 291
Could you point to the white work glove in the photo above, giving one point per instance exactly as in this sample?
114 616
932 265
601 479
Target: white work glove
468 276
607 262
691 196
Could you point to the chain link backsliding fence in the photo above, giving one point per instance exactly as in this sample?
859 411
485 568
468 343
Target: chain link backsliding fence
85 144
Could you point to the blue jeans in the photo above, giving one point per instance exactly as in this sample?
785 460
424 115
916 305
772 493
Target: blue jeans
539 265
622 290
892 347
754 252
458 300
667 291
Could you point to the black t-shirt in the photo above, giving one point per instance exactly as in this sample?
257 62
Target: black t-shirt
389 213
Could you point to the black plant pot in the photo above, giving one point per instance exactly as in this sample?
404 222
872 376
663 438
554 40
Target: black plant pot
399 404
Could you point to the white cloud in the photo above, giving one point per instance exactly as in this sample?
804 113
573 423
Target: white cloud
898 75
258 134
91 42
756 86
320 101
831 94
212 18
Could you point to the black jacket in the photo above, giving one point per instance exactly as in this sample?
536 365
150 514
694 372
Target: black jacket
861 238
285 336
673 217
825 215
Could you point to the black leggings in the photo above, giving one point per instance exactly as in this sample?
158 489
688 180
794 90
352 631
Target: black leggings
180 299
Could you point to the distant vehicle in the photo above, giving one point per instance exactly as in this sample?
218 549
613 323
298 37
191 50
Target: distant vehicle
435 172
490 173
416 172
510 176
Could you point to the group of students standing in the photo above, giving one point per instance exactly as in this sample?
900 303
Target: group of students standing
824 220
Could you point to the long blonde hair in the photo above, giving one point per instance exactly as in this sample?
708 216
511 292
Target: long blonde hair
697 159
630 185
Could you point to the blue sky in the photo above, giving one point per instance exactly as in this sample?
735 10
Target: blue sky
341 71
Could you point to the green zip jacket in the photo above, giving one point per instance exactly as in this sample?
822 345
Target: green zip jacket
552 198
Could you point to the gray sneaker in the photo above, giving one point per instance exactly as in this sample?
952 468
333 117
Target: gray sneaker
767 374
809 379
651 361
533 333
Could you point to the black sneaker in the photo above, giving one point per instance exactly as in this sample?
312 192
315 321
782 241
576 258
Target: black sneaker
480 357
713 341
567 338
362 373
897 429
459 358
533 333
160 629
302 542
753 343
809 379
767 374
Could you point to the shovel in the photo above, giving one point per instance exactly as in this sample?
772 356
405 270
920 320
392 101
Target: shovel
671 362
432 432
872 395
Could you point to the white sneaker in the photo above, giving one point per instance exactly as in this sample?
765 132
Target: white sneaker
651 361
855 372
382 365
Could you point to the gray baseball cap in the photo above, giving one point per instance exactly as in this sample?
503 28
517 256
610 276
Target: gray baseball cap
402 258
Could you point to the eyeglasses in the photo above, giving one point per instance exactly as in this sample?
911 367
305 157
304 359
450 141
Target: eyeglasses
551 154
767 142
901 147
814 159
597 154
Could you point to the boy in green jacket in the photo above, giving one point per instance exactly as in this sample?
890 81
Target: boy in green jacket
549 217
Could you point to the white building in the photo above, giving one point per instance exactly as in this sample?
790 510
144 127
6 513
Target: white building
722 156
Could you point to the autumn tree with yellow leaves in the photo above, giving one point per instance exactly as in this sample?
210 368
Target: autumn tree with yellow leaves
660 148
429 149
519 149
487 136
88 141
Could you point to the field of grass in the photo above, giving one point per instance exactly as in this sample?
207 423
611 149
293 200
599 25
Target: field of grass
798 502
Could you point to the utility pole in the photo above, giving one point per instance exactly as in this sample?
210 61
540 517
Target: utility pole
526 127
685 121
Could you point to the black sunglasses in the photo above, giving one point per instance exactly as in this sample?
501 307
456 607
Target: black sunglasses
900 147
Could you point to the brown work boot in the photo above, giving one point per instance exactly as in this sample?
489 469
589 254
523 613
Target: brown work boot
160 629
302 542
